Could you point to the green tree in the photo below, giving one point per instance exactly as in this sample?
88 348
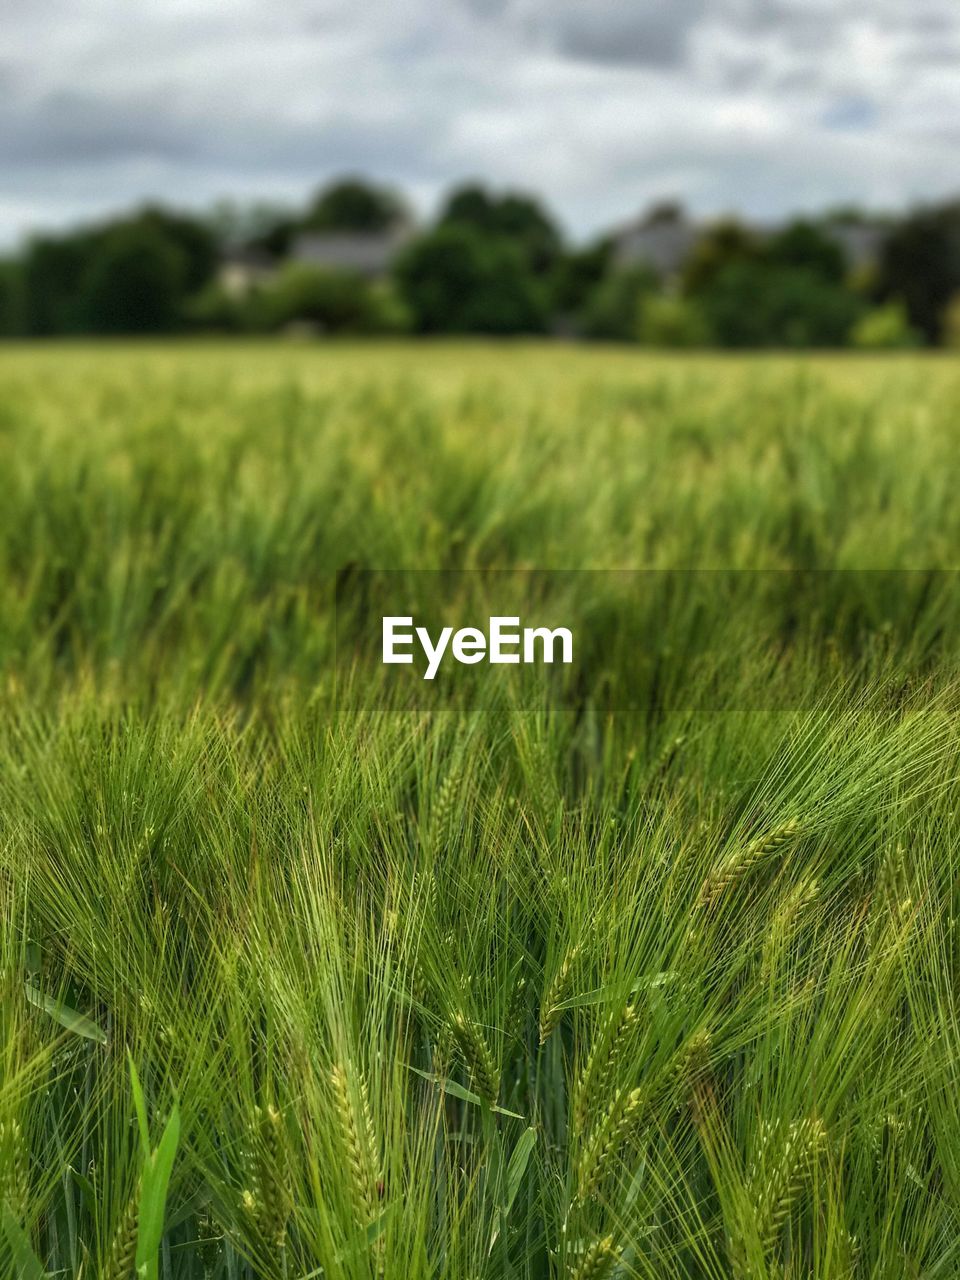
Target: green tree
348 205
801 246
611 310
753 304
218 310
53 268
671 322
195 239
724 243
96 280
134 282
12 314
805 246
352 204
920 264
456 280
274 237
576 274
885 328
338 302
951 324
513 216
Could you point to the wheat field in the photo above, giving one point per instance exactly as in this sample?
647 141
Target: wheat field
655 978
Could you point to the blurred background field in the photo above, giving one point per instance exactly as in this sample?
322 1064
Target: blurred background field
178 513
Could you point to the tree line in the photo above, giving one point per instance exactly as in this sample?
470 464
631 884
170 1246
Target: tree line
490 263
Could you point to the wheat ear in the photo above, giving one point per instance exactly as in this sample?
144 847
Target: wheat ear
600 1070
14 1180
694 1077
551 1010
603 1143
785 920
742 861
782 1184
478 1058
276 1197
445 804
359 1141
598 1262
122 1258
266 1201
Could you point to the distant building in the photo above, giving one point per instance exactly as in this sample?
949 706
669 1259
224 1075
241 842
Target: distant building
862 242
244 269
662 240
368 253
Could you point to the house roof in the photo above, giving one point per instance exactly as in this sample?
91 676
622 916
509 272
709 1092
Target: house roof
370 253
252 258
665 239
662 243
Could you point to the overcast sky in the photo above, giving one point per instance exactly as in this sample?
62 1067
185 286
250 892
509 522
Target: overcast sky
765 106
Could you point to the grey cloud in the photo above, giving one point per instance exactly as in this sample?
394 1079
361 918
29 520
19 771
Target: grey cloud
619 31
658 33
64 127
488 8
72 130
640 32
809 24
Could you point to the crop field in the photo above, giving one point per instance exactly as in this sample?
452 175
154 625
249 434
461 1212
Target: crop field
650 970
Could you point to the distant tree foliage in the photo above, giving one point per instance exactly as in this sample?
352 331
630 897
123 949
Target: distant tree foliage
135 282
920 265
354 205
514 217
11 298
951 324
885 328
196 240
456 280
495 263
722 244
753 304
346 205
575 275
672 322
611 309
331 301
306 298
129 276
804 246
53 270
